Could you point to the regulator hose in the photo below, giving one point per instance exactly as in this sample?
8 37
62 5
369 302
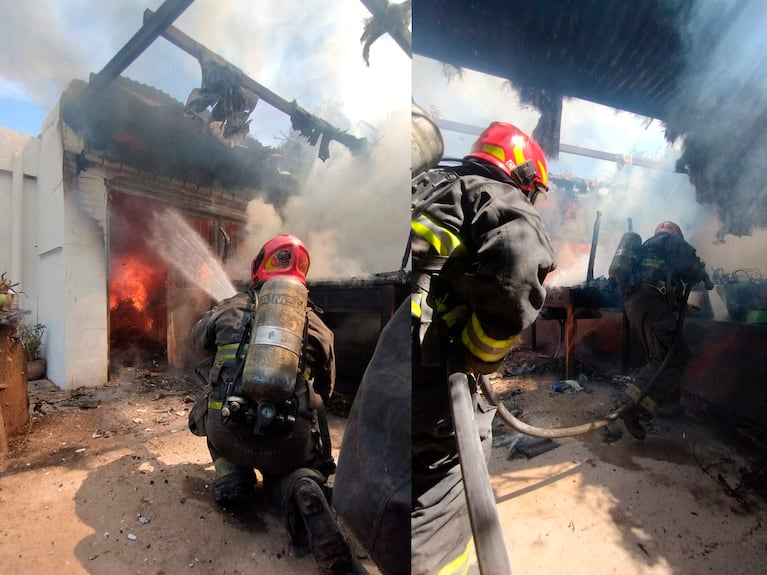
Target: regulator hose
559 432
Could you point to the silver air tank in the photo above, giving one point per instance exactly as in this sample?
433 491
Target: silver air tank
276 339
426 142
625 257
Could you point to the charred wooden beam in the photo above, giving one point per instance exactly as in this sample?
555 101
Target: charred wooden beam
309 125
399 33
141 40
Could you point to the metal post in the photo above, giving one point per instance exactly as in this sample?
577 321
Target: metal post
592 253
570 339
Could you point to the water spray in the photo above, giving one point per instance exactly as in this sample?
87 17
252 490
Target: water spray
185 250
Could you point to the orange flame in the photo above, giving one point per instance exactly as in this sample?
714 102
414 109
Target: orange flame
131 280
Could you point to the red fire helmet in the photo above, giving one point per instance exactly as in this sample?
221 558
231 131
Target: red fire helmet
515 153
282 255
669 228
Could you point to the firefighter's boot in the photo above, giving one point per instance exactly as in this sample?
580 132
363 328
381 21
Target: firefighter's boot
631 417
327 544
234 485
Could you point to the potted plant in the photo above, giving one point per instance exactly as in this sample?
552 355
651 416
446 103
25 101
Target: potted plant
31 337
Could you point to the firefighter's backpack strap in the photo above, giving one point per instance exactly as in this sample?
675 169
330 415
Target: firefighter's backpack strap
429 187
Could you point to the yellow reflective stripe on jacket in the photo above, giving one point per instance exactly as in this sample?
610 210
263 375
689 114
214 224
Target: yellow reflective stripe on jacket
455 315
215 404
415 305
482 345
459 565
652 262
440 238
228 351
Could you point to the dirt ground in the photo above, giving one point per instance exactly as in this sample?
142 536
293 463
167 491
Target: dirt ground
109 481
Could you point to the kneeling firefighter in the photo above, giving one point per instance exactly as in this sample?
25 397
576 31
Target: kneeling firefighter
263 409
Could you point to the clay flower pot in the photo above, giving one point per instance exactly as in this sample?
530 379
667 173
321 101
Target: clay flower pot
36 369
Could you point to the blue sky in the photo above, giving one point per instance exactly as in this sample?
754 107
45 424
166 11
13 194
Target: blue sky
21 115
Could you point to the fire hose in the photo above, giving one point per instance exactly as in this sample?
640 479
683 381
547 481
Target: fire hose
480 499
558 432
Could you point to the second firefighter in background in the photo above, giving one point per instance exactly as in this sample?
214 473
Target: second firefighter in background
652 294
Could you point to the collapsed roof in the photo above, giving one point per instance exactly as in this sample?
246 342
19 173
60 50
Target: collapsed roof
696 65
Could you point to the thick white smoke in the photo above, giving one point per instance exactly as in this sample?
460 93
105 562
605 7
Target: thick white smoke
352 211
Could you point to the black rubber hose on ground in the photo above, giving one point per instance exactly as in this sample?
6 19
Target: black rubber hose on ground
559 432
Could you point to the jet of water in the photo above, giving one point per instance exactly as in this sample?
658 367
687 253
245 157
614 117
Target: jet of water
183 248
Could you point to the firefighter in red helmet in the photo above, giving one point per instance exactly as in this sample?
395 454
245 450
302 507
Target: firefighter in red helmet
284 437
480 253
665 263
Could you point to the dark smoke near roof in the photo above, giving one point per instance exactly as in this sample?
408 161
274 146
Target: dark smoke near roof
722 111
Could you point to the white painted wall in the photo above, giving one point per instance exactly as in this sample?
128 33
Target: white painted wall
50 248
62 274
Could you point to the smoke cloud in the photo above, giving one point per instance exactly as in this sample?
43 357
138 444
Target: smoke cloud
722 111
352 211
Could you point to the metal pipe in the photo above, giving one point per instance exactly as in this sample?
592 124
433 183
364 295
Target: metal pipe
568 149
593 252
480 499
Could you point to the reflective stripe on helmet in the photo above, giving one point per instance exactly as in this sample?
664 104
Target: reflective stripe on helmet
544 174
519 156
496 151
483 346
440 238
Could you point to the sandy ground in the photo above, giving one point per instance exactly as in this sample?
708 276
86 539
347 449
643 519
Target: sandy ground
110 481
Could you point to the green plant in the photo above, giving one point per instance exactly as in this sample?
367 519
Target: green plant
31 337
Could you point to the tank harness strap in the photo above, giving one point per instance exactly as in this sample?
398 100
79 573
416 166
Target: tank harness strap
424 187
316 403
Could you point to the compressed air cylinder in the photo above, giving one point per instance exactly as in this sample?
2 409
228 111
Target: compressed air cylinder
426 142
276 340
624 259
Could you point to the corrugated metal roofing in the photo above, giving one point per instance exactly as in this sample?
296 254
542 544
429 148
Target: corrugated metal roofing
626 55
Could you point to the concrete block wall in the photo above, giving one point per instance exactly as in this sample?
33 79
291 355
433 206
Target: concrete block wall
87 328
